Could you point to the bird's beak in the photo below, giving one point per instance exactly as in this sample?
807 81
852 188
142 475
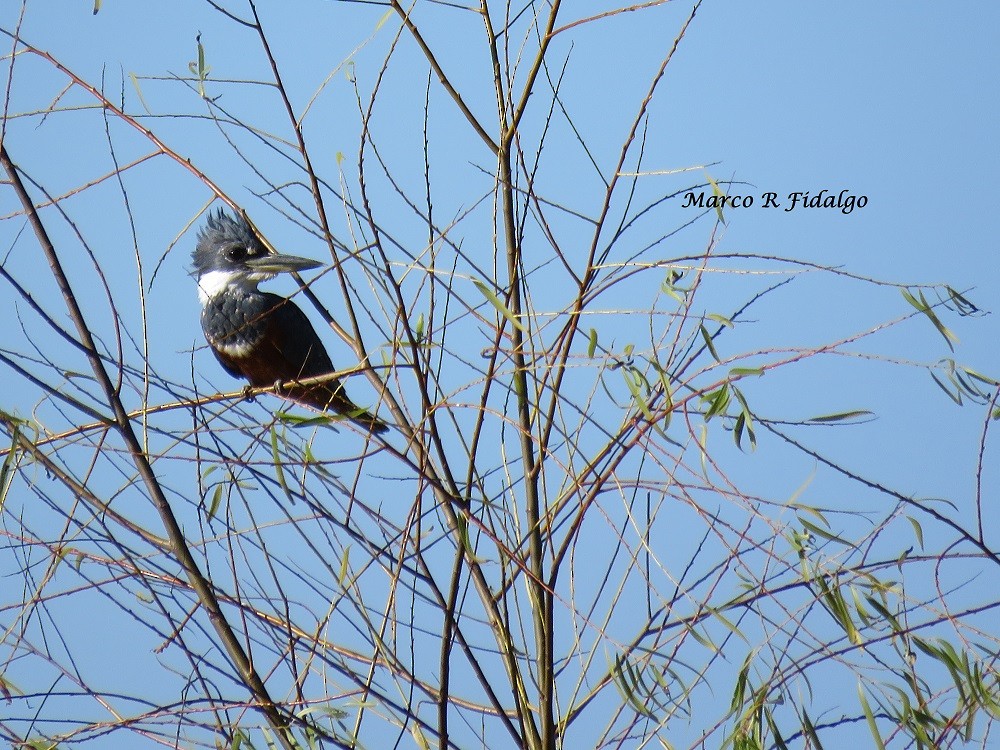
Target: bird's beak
272 264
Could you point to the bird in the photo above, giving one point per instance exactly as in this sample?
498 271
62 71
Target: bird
259 336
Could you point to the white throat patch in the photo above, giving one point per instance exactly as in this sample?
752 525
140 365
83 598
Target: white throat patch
215 282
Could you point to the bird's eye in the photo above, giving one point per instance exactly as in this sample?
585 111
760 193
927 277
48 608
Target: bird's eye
237 252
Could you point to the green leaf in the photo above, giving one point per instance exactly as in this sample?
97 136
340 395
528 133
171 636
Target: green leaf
708 342
199 68
833 599
962 305
729 625
810 730
669 285
825 534
499 305
717 192
213 507
704 640
418 330
344 565
744 422
721 319
740 689
888 616
955 396
740 372
138 92
629 681
985 379
638 393
842 416
924 307
917 530
385 17
809 509
279 470
870 717
717 400
592 345
419 738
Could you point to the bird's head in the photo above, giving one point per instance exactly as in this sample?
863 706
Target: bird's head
230 255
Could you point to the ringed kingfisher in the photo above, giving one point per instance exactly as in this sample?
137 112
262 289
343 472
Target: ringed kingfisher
257 335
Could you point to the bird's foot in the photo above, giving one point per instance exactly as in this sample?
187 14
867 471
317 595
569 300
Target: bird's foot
248 393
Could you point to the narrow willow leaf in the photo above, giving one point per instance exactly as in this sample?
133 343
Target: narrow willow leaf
213 507
836 605
279 470
307 454
738 430
729 625
7 471
638 395
811 510
717 400
702 447
923 306
740 372
721 319
717 192
499 305
592 345
138 93
917 530
708 342
860 608
419 328
344 566
842 416
985 379
968 384
956 396
418 737
704 640
462 530
810 730
888 616
739 690
962 305
385 17
793 500
913 300
826 534
779 741
870 717
298 420
744 422
669 285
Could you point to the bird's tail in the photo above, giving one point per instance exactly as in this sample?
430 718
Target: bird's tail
332 397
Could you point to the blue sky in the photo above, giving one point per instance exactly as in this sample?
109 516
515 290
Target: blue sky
894 102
